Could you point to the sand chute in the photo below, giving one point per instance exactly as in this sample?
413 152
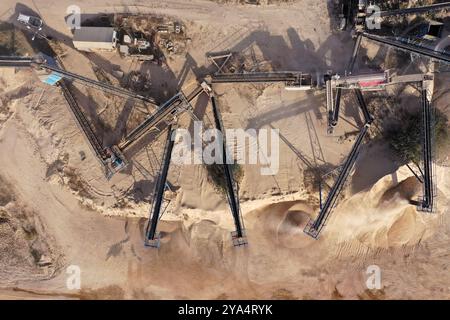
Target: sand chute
290 228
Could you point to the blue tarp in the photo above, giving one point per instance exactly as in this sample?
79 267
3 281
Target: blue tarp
53 78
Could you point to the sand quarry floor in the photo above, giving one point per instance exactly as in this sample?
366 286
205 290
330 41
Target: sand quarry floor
58 210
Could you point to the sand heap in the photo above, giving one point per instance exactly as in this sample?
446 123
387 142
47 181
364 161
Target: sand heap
383 216
26 252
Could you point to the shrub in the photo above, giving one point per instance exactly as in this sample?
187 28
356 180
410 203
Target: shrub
216 176
405 138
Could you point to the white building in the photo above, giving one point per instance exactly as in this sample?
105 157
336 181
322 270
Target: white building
95 38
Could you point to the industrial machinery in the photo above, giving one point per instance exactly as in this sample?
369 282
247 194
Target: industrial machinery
427 149
152 238
314 227
113 158
292 80
238 236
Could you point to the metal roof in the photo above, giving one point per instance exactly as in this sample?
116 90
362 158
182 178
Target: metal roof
93 34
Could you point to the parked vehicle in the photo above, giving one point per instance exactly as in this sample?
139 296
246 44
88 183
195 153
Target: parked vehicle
30 21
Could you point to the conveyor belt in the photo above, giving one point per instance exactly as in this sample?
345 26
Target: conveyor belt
82 122
30 61
16 62
97 84
233 197
427 202
314 227
424 9
410 78
170 107
194 93
355 51
336 107
80 118
256 77
362 104
150 234
408 47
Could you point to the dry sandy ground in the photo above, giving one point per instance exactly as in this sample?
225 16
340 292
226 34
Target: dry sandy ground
84 220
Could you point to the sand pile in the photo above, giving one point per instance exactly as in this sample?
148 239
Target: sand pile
26 253
13 86
380 217
290 229
383 216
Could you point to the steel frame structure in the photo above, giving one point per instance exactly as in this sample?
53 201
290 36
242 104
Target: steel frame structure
292 79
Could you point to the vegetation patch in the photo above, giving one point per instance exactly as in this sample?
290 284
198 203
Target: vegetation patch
216 176
405 138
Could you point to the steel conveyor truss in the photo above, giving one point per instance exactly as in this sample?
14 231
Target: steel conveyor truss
152 238
238 236
426 204
314 227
